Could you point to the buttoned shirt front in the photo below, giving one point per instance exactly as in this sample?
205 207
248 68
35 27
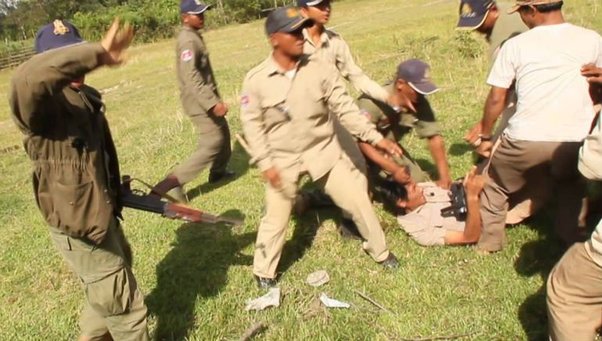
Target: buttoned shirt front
286 117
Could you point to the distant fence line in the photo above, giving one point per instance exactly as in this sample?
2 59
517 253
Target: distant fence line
15 57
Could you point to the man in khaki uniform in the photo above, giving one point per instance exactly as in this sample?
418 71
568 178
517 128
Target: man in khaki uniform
286 108
76 173
412 85
330 46
202 103
574 287
491 19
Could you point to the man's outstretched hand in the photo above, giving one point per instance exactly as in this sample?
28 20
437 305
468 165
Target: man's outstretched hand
592 73
115 42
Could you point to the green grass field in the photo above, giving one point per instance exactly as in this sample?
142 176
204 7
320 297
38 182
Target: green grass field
196 278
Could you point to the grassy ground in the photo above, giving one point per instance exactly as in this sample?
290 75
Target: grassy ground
196 278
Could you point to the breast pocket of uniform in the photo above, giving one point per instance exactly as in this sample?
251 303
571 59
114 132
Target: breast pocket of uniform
275 115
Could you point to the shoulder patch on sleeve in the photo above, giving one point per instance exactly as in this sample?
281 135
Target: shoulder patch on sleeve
186 55
366 114
244 101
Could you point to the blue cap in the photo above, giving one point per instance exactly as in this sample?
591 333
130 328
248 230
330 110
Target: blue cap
57 34
473 13
193 7
308 3
417 74
287 20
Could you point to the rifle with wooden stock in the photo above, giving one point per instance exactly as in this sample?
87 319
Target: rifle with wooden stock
169 209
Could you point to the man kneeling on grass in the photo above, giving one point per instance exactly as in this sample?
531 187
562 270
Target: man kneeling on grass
427 218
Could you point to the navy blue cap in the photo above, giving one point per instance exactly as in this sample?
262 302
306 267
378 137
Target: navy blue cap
285 19
59 33
308 3
417 74
193 7
473 13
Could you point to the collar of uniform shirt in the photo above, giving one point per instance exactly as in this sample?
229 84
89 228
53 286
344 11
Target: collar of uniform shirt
274 68
323 38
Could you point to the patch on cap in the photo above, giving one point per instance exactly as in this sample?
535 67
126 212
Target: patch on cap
292 12
473 13
467 10
59 28
186 55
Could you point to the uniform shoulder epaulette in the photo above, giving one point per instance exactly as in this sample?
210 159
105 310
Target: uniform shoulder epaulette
257 69
331 34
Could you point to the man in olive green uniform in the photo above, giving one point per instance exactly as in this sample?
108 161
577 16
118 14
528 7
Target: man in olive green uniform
202 103
76 173
413 84
285 112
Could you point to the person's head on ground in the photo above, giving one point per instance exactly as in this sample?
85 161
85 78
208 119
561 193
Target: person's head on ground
478 15
412 82
410 197
539 12
284 27
192 13
316 10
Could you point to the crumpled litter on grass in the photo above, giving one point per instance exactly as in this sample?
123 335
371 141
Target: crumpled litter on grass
332 303
271 299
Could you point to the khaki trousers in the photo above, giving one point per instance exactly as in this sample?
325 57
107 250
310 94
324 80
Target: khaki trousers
517 166
213 149
574 297
113 302
347 188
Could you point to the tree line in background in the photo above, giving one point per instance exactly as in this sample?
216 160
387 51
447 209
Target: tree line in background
152 19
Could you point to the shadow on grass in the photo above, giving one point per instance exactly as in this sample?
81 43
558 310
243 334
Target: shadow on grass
537 258
459 149
239 164
196 267
307 226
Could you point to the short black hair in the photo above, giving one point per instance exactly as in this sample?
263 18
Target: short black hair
545 8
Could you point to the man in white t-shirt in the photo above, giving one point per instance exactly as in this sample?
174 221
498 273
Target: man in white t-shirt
554 114
574 288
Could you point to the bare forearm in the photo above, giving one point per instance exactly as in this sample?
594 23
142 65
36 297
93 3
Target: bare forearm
472 231
437 148
496 100
374 155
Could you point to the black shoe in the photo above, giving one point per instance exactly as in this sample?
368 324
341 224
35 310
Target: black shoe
225 175
391 262
265 283
348 229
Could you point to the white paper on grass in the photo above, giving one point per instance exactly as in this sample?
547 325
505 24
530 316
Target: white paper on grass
271 299
332 303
